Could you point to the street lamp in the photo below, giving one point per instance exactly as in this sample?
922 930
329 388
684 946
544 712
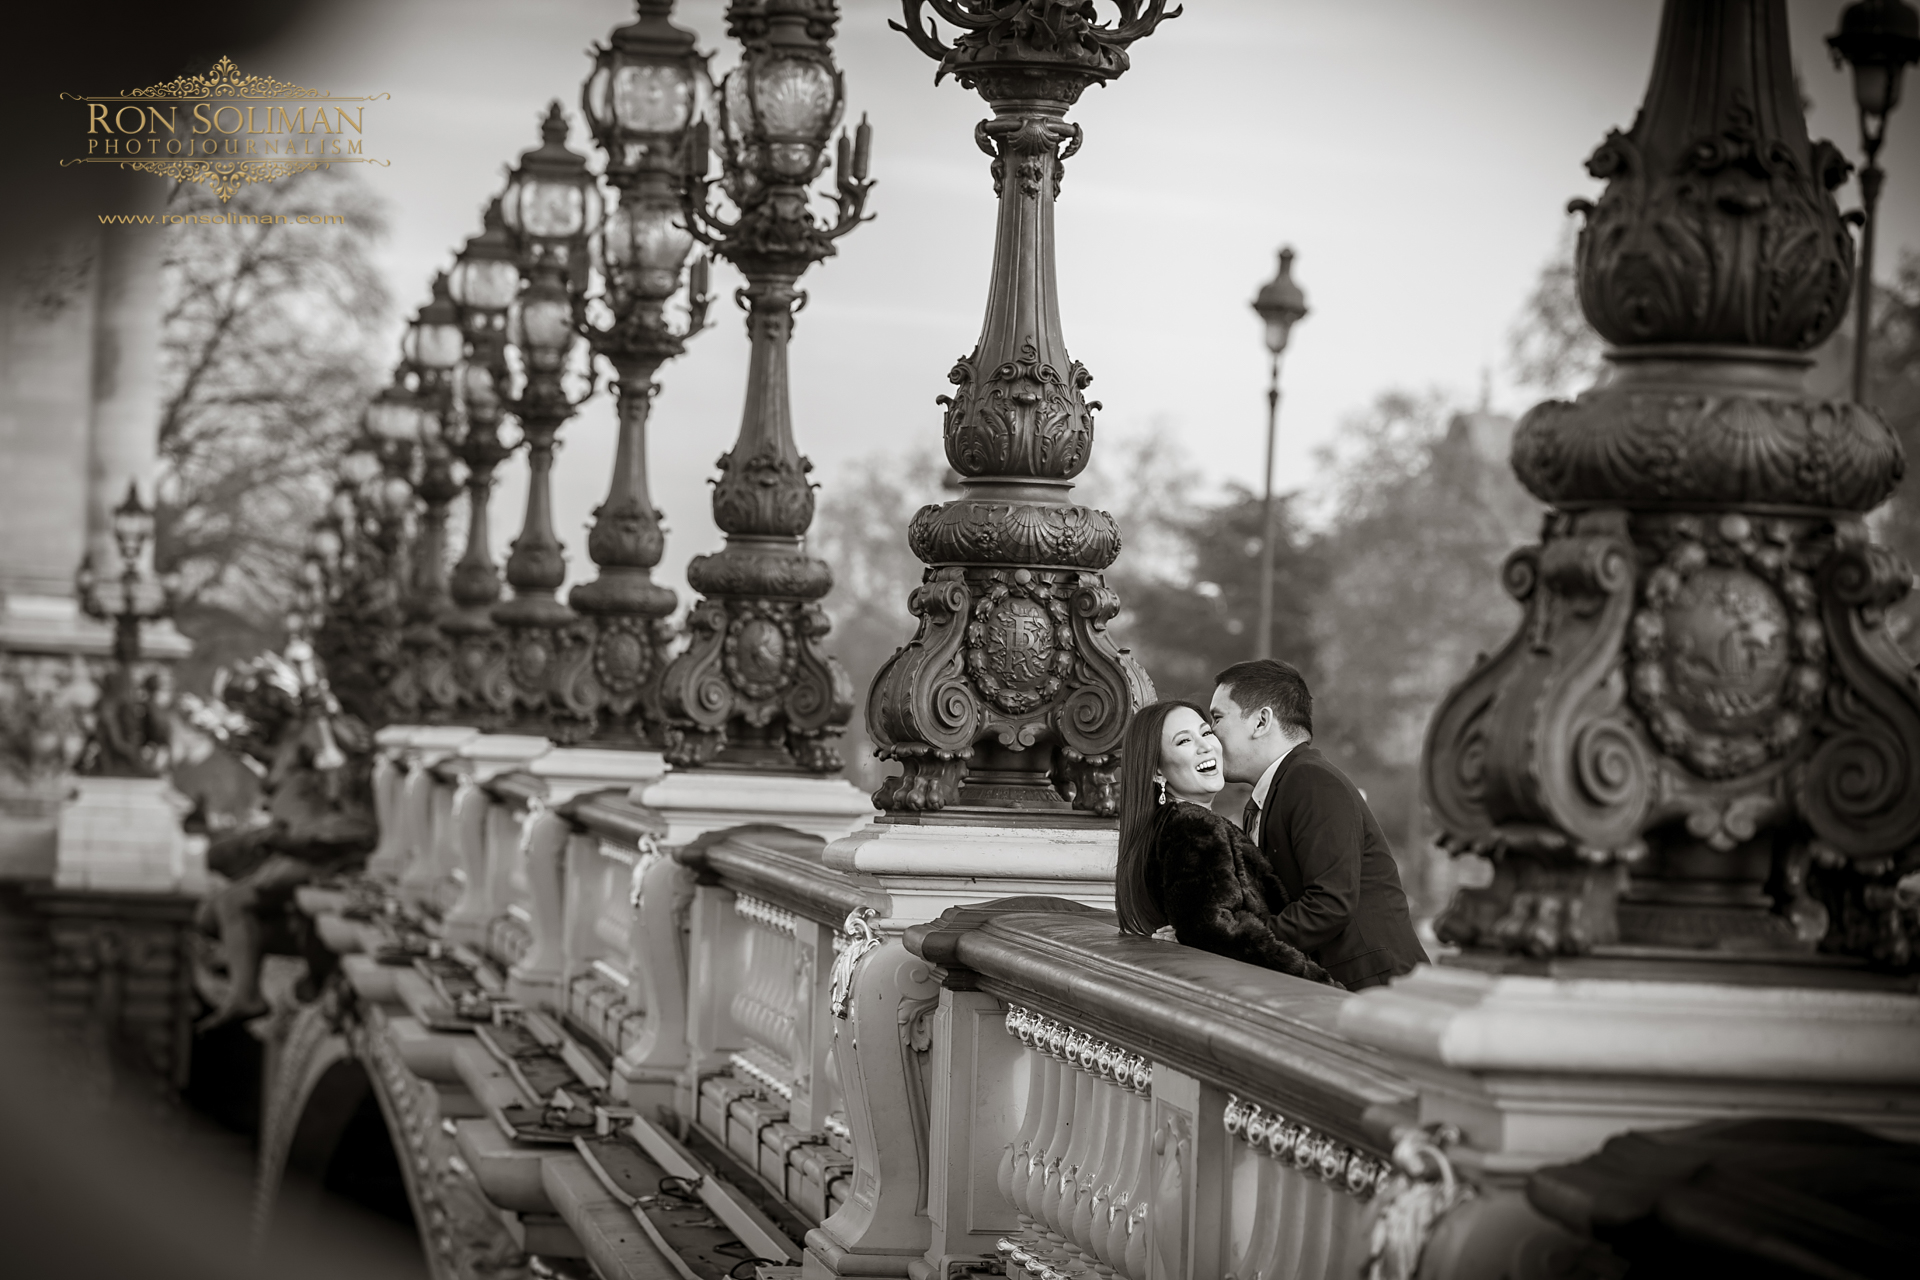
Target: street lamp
1280 305
754 682
551 206
126 722
485 280
1879 38
648 89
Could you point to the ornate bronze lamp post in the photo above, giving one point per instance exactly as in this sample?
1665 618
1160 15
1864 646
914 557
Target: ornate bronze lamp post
433 346
485 279
1879 38
127 728
647 89
1702 716
1011 694
754 686
1280 304
551 205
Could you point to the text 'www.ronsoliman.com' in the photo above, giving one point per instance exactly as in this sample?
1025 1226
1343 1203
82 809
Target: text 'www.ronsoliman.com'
223 219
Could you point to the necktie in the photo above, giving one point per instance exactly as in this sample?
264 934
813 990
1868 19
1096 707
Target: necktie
1250 818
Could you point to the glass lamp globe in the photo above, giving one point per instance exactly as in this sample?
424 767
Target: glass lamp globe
778 111
1879 38
132 524
1281 304
551 201
394 415
647 87
434 341
358 465
486 275
645 247
479 392
543 326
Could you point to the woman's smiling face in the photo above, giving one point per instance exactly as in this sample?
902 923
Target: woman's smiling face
1189 757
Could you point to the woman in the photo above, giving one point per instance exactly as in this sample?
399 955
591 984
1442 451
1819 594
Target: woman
1182 864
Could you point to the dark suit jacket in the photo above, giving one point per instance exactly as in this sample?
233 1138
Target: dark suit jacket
1347 908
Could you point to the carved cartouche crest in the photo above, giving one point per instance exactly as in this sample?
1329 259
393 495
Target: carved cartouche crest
755 681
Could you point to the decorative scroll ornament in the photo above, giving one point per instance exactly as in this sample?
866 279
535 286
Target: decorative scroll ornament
1418 1190
1717 225
1702 698
1011 694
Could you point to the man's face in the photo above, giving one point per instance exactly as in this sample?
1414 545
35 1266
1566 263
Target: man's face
1247 740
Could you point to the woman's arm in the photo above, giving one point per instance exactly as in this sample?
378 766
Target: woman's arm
1204 900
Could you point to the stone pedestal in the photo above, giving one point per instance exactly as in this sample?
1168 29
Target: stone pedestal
123 835
926 867
695 802
405 826
566 772
569 771
1537 1070
486 757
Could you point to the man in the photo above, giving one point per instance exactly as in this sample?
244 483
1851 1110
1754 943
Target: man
1347 908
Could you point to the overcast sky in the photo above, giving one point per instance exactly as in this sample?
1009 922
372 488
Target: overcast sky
1417 154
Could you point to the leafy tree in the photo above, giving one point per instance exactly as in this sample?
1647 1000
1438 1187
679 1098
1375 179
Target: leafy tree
1893 385
860 529
266 362
1426 510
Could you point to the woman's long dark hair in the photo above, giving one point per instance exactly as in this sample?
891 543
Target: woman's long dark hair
1139 761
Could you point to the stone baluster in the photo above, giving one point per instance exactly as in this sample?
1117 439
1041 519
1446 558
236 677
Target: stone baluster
1113 1201
716 970
765 1006
1018 1153
1096 1172
1075 1172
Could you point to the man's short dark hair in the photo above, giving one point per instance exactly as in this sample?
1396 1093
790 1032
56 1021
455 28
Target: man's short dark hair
1266 682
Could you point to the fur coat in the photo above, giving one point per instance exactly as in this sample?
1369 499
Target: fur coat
1215 888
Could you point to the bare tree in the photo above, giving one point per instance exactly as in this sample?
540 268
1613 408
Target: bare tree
1553 349
269 326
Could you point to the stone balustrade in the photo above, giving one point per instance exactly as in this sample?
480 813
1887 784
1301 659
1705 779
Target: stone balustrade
1142 1109
1011 1086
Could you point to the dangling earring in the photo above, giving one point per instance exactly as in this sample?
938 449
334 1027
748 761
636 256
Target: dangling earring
1162 784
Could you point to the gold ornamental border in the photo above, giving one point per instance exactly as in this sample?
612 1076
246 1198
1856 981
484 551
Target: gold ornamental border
222 81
